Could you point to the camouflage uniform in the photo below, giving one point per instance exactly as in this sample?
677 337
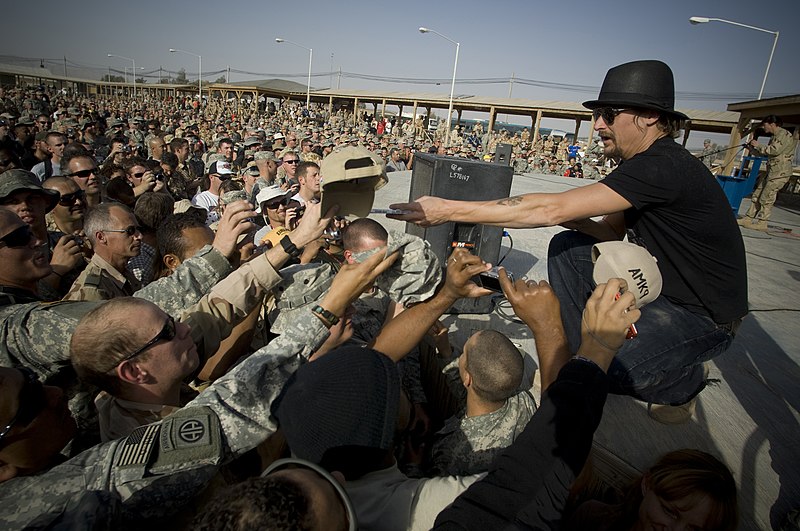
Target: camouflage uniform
37 335
162 466
708 155
211 320
520 165
780 150
101 281
468 445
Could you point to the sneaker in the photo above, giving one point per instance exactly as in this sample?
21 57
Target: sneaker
672 414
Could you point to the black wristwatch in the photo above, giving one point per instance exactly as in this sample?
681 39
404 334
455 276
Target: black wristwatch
290 248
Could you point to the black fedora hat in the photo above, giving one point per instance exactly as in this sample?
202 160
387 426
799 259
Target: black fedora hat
639 84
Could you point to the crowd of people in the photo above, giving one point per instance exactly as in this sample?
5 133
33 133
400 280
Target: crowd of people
202 329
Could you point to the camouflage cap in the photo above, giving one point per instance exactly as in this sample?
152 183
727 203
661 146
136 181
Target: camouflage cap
251 141
265 155
302 285
415 276
17 180
233 196
25 119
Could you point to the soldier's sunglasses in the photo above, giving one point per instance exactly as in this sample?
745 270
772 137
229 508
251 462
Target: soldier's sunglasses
167 333
32 401
69 199
608 114
275 203
19 237
83 174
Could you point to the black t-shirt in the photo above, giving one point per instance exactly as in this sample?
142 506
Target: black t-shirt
681 215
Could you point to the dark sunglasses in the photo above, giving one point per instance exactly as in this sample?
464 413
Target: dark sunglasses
275 203
32 401
130 231
609 114
83 174
167 333
20 237
293 161
69 199
139 175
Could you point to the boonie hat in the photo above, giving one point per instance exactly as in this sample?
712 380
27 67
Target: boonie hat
270 192
631 262
16 180
350 176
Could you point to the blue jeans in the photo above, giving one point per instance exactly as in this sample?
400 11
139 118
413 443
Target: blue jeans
664 363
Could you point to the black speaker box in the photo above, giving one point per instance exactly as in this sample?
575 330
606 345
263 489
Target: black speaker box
464 180
503 154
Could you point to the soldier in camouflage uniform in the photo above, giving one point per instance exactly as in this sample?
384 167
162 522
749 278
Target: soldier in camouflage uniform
781 151
498 406
37 335
708 155
161 466
520 164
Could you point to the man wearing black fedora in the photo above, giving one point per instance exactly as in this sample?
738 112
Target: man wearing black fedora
660 197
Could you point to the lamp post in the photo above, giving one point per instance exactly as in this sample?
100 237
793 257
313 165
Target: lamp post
134 70
199 73
452 85
310 59
705 20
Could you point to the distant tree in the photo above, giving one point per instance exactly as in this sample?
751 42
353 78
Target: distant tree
180 79
220 79
141 80
115 79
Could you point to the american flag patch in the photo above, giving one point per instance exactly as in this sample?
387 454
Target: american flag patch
138 445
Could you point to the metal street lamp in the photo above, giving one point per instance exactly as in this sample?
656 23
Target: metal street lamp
310 59
199 73
134 70
705 20
452 85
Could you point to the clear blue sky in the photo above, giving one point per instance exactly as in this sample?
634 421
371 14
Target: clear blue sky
573 43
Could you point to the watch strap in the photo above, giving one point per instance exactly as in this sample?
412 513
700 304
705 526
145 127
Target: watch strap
326 316
290 248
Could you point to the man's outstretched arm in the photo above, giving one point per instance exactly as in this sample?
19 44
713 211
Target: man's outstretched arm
519 212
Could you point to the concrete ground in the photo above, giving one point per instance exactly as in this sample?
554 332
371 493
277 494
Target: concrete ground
750 419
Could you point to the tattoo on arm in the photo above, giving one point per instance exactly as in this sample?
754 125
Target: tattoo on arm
511 201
